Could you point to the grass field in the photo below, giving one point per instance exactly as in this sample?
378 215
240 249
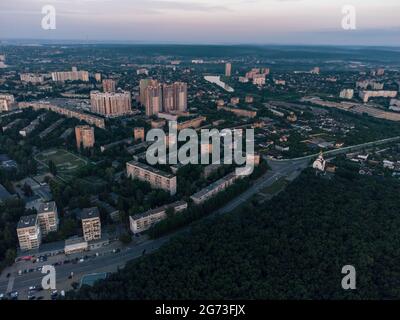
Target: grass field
66 162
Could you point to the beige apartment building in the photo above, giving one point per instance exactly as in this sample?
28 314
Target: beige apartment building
73 75
31 78
109 85
91 224
141 222
158 179
84 136
111 104
214 188
48 217
28 231
228 69
6 102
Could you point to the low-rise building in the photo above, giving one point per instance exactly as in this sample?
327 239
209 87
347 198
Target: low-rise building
75 245
214 188
158 179
141 222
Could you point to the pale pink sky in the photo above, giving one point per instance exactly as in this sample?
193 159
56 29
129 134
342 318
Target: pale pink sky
205 21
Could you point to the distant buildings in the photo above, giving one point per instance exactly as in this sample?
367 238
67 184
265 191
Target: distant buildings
109 85
259 80
315 70
67 112
48 217
142 71
366 95
141 222
28 231
239 112
347 94
158 179
32 126
158 97
97 77
257 72
31 78
91 224
111 104
73 75
366 84
6 102
228 69
84 136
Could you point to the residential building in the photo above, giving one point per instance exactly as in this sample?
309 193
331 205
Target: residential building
48 217
109 85
6 102
141 222
158 179
228 69
347 94
214 188
111 104
31 78
84 136
91 224
73 75
28 231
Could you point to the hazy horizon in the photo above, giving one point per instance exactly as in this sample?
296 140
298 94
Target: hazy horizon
254 22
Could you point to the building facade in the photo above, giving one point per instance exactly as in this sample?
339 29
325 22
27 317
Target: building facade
84 136
48 218
111 104
28 231
91 224
109 85
158 179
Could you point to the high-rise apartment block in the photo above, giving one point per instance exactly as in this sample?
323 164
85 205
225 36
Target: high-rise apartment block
167 97
97 77
158 179
84 136
73 75
228 69
48 217
109 85
91 224
28 231
111 104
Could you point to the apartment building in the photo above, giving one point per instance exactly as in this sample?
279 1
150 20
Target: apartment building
141 222
214 188
73 75
158 179
31 78
366 95
91 224
28 231
84 136
228 69
109 85
111 104
48 217
6 102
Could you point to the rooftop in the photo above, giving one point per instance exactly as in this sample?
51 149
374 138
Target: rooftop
151 169
90 213
27 221
47 207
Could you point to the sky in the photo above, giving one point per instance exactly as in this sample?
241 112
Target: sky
205 21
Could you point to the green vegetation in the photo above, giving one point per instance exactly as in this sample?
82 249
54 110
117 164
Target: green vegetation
293 247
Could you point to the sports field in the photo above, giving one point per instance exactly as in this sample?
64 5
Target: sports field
66 162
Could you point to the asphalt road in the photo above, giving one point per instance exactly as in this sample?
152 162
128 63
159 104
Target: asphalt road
110 262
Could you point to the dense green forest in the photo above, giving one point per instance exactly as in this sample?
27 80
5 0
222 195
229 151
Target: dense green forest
293 247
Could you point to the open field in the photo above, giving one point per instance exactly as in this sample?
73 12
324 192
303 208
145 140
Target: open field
66 162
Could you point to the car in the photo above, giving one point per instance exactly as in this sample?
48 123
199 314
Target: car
66 261
31 297
14 295
2 296
19 272
8 275
39 269
81 260
32 288
31 270
40 298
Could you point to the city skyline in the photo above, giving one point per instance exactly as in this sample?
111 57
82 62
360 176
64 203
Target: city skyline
189 21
